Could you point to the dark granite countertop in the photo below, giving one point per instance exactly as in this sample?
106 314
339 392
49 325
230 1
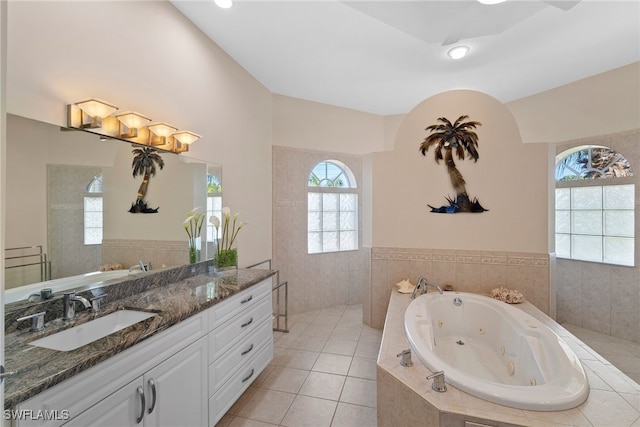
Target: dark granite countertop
36 369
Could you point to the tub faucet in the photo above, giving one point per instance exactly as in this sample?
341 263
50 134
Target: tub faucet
69 300
421 287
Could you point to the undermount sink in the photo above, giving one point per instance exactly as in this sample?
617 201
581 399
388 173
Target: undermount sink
83 334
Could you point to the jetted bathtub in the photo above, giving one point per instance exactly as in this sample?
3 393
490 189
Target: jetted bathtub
494 351
78 282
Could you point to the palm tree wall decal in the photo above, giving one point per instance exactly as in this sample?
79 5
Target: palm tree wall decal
447 137
144 163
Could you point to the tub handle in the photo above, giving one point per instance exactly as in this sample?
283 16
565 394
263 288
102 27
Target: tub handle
438 381
406 357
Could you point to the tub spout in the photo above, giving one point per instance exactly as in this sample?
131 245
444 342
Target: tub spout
438 382
421 287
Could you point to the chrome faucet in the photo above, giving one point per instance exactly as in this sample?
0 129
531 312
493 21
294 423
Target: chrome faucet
421 287
69 300
141 266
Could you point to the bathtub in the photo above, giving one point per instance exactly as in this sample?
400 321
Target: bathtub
494 351
81 281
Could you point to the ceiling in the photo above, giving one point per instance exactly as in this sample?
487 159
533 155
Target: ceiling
385 57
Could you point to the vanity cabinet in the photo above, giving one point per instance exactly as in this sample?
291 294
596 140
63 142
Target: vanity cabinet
198 367
110 379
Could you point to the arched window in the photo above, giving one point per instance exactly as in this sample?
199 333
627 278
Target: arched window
93 212
332 209
594 209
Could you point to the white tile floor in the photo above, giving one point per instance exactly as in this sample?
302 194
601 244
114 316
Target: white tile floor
323 374
624 355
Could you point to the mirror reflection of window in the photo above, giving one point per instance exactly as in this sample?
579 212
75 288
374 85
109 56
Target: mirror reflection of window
93 212
214 205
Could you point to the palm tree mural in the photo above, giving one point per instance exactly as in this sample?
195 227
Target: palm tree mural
144 163
447 137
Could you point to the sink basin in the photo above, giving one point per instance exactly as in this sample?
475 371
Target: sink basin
83 334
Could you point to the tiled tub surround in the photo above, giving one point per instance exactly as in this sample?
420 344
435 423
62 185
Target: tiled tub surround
467 271
405 397
175 295
160 252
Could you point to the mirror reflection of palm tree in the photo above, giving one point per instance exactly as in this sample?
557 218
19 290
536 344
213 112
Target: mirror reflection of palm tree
144 163
460 137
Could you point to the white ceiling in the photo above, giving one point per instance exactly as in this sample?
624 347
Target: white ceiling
385 57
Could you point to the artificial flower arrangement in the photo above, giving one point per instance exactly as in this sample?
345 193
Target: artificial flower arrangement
227 254
193 225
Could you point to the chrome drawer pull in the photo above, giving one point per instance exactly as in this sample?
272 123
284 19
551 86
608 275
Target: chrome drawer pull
141 393
248 323
153 395
247 350
247 299
250 375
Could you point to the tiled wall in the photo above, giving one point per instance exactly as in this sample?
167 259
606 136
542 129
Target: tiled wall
159 252
467 271
318 280
66 186
602 297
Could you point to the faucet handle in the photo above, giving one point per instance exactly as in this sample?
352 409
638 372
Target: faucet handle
406 357
96 302
438 381
37 321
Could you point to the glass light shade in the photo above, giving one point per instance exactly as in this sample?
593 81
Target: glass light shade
491 1
224 4
133 120
458 52
95 107
161 129
186 137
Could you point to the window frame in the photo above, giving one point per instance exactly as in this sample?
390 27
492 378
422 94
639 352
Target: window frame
599 182
91 193
349 188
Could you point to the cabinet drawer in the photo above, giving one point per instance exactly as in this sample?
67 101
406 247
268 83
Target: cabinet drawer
235 304
228 334
231 361
222 400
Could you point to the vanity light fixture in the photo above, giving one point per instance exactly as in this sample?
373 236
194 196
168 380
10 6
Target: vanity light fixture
491 1
93 110
98 117
130 122
458 52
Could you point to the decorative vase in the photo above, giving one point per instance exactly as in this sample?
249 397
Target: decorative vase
227 258
194 250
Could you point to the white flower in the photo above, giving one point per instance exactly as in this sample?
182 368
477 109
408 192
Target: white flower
215 221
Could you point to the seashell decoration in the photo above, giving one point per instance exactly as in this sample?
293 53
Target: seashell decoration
510 296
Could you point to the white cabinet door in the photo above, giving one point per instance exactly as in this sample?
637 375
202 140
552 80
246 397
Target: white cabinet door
174 393
180 385
123 408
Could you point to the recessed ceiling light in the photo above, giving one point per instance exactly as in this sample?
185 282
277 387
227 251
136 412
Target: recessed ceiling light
225 4
458 52
491 1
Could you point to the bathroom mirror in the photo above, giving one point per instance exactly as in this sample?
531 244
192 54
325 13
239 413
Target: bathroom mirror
68 197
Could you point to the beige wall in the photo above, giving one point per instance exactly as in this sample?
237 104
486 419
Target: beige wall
509 179
602 104
310 125
147 57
